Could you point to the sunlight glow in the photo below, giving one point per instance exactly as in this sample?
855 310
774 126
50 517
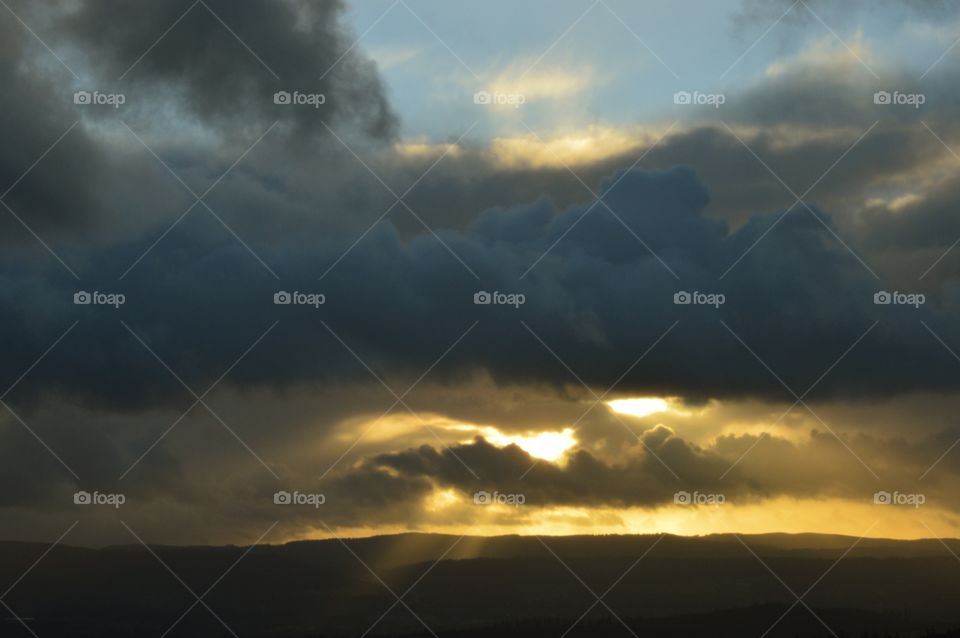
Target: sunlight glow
549 446
554 83
458 515
442 499
573 147
644 406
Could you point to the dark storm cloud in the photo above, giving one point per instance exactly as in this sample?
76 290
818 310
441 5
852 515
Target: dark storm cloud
77 177
35 114
598 298
928 221
200 70
229 79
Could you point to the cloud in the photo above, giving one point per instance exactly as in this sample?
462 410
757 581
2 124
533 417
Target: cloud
538 82
699 213
388 58
746 469
572 149
410 481
600 295
198 97
223 62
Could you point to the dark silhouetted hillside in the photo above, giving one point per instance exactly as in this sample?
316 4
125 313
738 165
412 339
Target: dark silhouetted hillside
489 586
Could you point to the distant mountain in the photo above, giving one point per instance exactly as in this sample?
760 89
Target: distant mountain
488 586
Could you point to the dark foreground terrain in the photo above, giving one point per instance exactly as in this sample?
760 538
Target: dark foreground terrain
505 586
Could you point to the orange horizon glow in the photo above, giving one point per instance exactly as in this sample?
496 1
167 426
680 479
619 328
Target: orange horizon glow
837 517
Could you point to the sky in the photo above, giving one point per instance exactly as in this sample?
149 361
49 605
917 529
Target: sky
333 268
